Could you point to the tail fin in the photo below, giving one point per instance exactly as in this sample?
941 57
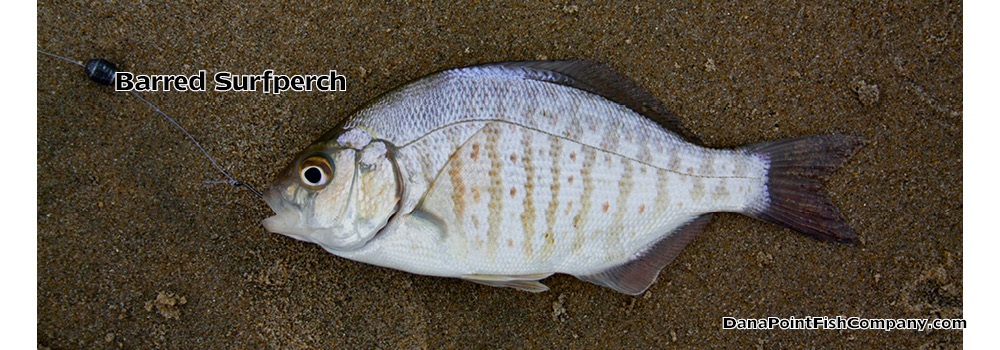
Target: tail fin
795 197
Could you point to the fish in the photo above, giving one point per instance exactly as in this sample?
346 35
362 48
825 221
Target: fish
507 173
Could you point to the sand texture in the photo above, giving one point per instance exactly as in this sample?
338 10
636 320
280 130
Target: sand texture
135 252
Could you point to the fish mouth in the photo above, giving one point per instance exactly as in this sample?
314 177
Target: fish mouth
287 226
288 223
288 219
291 220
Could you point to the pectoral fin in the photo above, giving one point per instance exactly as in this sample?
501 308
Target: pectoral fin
528 283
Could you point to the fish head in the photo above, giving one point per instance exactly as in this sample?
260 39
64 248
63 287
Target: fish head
338 196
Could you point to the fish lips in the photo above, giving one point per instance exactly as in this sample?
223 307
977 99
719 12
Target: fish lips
292 220
288 217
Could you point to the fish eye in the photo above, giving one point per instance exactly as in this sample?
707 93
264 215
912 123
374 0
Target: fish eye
315 172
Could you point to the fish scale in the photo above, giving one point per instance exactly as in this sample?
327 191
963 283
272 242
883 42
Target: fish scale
508 173
473 223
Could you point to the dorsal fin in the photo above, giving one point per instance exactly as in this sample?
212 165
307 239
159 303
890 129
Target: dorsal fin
599 79
635 276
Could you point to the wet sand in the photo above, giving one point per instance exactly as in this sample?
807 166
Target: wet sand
135 252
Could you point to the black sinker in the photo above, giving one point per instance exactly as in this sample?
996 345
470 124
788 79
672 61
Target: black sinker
101 71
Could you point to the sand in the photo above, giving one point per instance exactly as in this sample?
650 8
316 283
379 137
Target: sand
135 252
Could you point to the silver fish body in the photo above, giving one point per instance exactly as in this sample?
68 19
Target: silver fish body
504 174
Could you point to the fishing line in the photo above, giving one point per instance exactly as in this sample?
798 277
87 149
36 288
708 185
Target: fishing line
102 71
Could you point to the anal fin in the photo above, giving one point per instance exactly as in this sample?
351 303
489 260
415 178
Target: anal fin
635 276
528 283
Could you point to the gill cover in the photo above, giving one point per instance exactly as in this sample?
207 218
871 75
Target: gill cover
336 193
